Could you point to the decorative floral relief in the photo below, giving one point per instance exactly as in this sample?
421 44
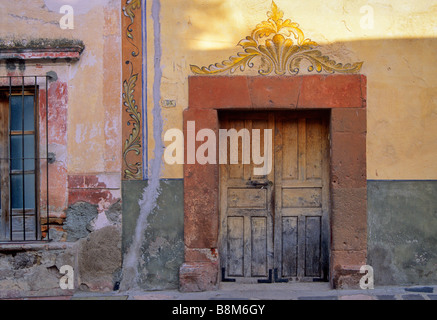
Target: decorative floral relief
278 51
128 10
133 143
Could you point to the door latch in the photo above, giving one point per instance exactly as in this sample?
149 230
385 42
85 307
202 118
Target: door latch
254 183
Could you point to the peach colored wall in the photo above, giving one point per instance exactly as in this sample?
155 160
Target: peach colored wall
85 118
94 140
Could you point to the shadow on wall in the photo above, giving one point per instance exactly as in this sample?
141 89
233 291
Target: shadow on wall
401 130
401 145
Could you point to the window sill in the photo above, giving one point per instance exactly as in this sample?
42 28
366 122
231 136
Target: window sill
6 247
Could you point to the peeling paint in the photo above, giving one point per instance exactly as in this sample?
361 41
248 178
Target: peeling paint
100 222
151 192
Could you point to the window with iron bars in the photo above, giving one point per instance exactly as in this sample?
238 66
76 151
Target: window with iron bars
23 171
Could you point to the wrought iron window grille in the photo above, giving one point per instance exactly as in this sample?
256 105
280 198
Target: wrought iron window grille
24 158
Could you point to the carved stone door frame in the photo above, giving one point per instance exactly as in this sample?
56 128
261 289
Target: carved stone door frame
345 97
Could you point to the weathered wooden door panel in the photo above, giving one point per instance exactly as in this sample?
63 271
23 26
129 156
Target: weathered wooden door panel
301 196
235 246
246 202
278 220
313 247
288 246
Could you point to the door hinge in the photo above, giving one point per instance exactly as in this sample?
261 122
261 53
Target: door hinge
224 279
269 280
277 279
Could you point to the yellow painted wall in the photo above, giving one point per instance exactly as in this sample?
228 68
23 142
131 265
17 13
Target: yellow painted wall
398 53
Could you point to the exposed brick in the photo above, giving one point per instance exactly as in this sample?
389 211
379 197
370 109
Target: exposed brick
92 181
76 181
92 196
57 228
58 221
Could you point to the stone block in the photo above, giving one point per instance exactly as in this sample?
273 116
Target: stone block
352 120
201 183
198 277
348 258
349 219
269 92
99 259
347 277
203 254
331 91
348 160
223 92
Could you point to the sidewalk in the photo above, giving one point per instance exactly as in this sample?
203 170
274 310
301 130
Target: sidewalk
295 291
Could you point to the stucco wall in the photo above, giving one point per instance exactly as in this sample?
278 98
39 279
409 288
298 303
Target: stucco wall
93 82
397 55
84 134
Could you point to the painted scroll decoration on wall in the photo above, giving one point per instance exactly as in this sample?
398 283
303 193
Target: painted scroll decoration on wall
132 147
282 47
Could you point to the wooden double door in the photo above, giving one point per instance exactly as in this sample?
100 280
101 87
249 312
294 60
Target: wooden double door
274 226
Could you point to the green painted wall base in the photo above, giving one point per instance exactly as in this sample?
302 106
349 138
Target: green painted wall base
402 232
162 252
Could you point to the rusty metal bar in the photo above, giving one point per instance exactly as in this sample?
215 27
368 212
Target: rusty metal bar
10 161
22 161
25 86
47 156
